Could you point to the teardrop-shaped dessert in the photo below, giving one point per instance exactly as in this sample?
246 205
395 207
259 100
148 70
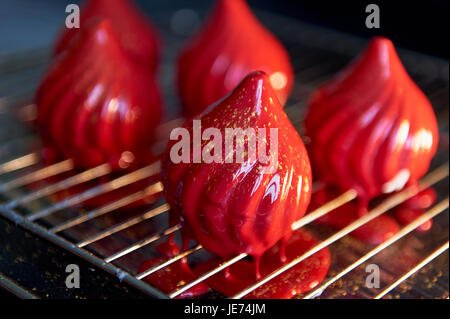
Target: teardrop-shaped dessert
371 128
95 105
230 45
230 196
137 35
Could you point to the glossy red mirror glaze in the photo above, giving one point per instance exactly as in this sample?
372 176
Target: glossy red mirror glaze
370 125
95 105
231 208
230 45
137 36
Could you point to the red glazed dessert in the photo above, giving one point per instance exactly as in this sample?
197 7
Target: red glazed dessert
246 206
371 128
230 45
95 105
137 36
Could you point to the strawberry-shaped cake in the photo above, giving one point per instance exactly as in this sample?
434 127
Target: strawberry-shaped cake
136 34
371 128
230 45
230 199
95 105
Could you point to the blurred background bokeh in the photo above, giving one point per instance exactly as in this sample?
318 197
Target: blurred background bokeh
420 25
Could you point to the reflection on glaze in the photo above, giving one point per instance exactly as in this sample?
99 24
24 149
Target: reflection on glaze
232 208
371 127
231 44
137 36
95 105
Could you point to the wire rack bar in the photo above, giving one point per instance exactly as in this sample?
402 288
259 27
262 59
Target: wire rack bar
419 266
35 176
437 209
14 288
155 268
309 73
122 202
67 245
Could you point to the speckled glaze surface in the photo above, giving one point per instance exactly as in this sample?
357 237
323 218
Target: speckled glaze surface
231 208
371 125
95 105
137 35
230 45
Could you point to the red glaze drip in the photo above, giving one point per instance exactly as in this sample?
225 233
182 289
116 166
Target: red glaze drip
230 45
104 199
137 36
302 277
96 106
374 232
231 208
173 276
414 207
370 125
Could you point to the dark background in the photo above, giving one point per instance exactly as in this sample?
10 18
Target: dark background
417 25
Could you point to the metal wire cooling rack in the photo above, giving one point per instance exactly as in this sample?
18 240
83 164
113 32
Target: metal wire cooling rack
117 239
